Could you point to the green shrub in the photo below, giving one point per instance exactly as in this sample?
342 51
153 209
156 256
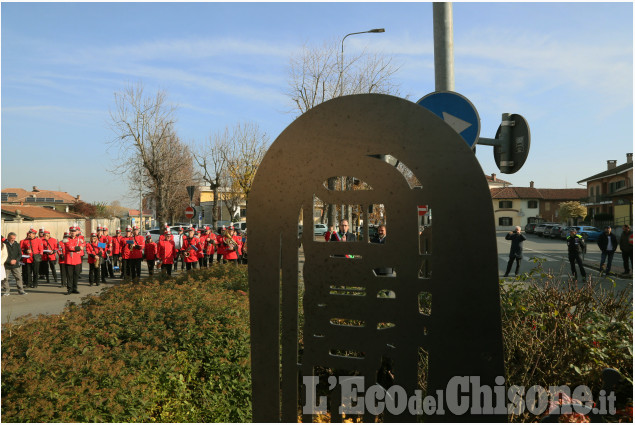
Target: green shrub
165 350
559 332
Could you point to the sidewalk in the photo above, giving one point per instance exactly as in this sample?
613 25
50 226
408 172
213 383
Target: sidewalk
50 298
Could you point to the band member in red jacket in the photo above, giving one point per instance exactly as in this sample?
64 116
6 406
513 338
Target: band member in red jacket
74 249
221 248
62 258
107 269
166 253
126 247
231 243
116 252
49 257
95 254
210 245
150 254
31 256
191 248
136 254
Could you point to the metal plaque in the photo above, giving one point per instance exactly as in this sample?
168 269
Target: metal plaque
378 331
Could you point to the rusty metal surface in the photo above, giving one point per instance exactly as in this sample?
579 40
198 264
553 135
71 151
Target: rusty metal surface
462 335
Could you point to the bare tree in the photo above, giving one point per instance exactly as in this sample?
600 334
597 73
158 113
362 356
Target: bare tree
213 166
318 74
149 151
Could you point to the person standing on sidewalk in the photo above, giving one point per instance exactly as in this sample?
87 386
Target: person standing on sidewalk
626 246
516 250
608 244
150 254
62 253
12 264
575 246
49 259
74 249
32 250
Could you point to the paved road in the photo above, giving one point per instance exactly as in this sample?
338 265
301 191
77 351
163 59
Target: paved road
50 298
555 253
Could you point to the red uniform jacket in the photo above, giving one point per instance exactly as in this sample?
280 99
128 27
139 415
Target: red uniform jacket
188 247
108 241
166 251
61 251
211 239
73 257
137 252
51 245
35 245
116 244
125 247
93 251
232 255
150 252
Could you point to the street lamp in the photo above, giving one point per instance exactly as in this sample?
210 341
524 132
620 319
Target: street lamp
374 30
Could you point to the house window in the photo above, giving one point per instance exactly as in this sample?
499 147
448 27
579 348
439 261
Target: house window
504 204
547 206
532 204
504 221
243 212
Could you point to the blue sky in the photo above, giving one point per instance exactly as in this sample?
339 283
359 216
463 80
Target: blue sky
566 67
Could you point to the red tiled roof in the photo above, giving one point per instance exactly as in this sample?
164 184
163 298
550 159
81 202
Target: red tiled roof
37 212
515 193
23 194
534 193
564 194
495 179
134 213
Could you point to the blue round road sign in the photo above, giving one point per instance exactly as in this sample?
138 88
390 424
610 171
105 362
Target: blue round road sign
457 111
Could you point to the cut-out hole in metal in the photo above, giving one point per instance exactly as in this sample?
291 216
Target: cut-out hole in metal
386 293
337 321
347 290
425 269
425 303
346 353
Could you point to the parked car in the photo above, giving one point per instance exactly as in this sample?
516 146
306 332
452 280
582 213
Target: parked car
320 229
155 233
539 230
529 228
555 231
547 232
589 233
240 225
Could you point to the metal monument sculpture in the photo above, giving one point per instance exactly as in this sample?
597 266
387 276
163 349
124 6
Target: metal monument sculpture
346 321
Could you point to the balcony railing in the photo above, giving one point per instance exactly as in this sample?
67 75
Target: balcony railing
596 199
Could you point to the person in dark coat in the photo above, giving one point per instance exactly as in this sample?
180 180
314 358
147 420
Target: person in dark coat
575 246
626 246
343 235
608 244
516 250
380 238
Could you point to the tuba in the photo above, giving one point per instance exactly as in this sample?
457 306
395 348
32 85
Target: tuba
229 241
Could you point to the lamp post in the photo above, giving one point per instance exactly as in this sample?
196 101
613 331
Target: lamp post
374 30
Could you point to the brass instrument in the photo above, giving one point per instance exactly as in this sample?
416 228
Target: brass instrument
97 259
229 241
245 249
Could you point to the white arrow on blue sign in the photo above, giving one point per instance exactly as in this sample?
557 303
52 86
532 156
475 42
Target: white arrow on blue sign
457 111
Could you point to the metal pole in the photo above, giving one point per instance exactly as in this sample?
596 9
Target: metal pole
443 46
143 122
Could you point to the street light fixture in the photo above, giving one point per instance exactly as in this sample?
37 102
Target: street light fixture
374 30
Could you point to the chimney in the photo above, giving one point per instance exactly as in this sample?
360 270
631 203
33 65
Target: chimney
611 163
629 158
35 189
531 184
77 198
493 177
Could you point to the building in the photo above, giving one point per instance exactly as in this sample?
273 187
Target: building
609 197
493 181
236 203
20 218
518 206
147 219
60 201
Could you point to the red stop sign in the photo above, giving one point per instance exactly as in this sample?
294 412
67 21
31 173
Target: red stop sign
189 212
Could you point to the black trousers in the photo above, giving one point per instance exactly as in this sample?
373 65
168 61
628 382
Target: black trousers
627 257
125 268
93 273
150 267
573 259
30 274
510 263
135 267
72 276
63 273
104 270
49 264
192 265
167 268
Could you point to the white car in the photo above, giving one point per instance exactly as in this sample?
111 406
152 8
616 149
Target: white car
320 229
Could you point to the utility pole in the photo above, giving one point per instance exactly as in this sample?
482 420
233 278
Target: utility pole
443 46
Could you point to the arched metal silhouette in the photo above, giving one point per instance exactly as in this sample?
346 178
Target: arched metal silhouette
462 335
